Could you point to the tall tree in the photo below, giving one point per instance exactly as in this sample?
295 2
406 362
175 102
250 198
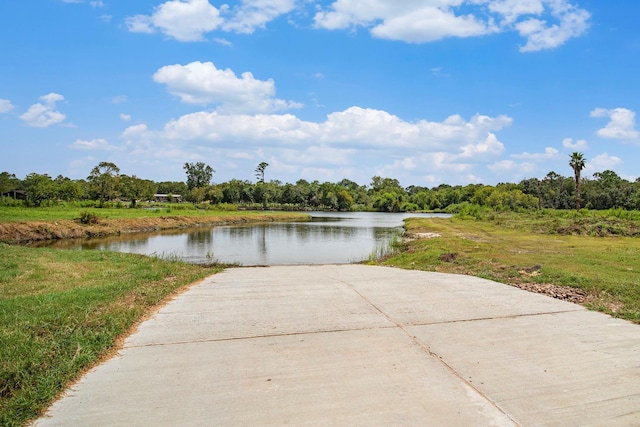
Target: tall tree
39 188
8 182
260 171
104 181
577 162
198 175
136 189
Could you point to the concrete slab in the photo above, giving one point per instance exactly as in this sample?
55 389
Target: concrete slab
357 345
241 303
576 368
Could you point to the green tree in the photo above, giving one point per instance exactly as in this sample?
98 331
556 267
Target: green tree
134 189
198 175
8 182
67 189
172 187
260 169
577 163
104 181
39 188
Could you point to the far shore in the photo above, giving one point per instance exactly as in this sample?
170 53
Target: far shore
32 231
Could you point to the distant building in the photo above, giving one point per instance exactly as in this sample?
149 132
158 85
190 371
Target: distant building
163 198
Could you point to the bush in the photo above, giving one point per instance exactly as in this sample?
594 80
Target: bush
227 207
468 210
88 218
11 202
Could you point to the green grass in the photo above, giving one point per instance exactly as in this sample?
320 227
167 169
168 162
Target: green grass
62 311
75 211
502 247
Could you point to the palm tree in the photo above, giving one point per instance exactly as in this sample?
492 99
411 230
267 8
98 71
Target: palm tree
577 162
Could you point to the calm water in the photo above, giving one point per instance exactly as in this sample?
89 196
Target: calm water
330 238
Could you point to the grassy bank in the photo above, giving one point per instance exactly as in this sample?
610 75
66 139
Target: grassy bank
62 311
584 257
21 225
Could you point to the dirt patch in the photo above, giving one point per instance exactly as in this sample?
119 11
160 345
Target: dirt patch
565 293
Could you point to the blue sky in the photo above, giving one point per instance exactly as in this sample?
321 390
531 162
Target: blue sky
424 91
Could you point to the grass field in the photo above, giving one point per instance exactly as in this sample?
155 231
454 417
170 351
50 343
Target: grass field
548 251
62 311
75 211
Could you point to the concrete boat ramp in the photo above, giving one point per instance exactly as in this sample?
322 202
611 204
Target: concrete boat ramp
354 345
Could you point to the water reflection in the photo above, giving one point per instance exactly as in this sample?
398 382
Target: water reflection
330 238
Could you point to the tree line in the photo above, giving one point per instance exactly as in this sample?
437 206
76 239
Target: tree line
105 185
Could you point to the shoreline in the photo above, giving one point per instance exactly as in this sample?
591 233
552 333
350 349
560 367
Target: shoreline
35 231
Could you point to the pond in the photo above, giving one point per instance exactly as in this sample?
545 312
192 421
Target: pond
329 238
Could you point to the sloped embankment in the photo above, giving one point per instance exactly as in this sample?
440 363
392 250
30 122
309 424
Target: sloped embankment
31 231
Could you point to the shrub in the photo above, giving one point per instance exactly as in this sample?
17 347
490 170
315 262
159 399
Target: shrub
88 218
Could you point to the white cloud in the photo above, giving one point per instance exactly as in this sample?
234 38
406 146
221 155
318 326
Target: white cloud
549 154
94 144
119 99
255 14
490 147
223 42
136 131
203 83
601 163
125 117
44 114
621 125
579 145
190 20
413 22
185 21
352 128
570 22
545 24
5 106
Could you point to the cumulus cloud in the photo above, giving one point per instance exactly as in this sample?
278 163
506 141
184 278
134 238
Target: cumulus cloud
93 144
44 114
455 149
353 128
579 145
545 24
621 126
190 20
549 154
203 83
137 131
5 106
489 147
182 20
125 117
570 22
602 162
256 14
